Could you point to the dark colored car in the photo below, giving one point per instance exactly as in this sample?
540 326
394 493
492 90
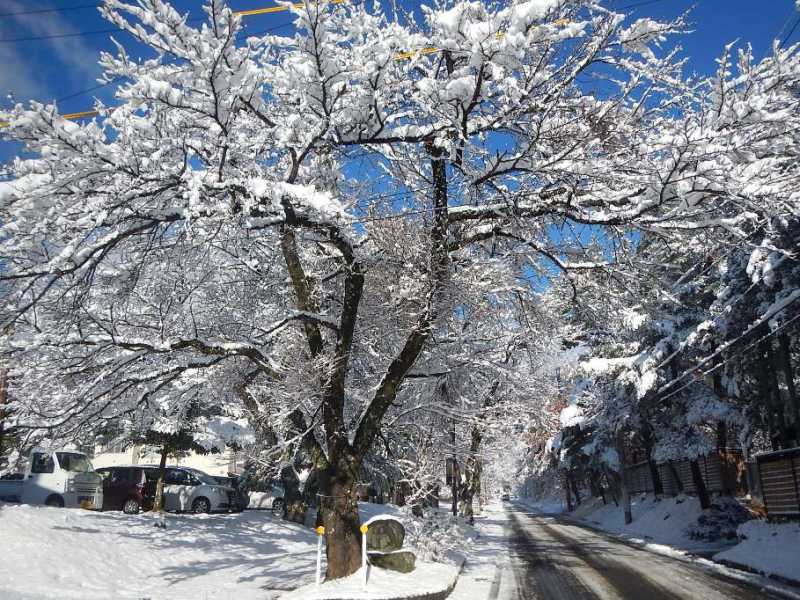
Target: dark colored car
126 489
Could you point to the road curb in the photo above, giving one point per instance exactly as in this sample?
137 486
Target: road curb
743 567
439 595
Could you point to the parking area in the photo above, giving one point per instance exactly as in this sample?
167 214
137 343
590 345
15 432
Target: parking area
74 553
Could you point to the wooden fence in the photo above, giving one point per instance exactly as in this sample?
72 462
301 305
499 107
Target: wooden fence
779 474
722 471
774 478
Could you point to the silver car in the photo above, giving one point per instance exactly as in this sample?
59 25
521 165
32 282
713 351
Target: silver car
190 490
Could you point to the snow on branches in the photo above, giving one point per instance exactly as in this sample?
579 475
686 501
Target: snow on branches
290 228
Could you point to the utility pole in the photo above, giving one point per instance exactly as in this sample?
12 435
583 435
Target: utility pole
3 402
456 479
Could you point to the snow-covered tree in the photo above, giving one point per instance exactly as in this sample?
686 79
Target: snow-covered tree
288 227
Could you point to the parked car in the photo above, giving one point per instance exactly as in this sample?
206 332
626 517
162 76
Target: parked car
505 497
242 496
268 494
126 489
190 490
62 478
132 488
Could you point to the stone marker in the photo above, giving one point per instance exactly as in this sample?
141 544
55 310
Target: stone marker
385 535
403 561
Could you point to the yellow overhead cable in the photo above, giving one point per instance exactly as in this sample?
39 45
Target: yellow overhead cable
275 9
77 115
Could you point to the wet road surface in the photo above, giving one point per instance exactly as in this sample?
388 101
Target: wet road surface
552 558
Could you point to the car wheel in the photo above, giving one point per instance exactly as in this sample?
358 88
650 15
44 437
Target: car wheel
131 507
54 501
277 507
201 506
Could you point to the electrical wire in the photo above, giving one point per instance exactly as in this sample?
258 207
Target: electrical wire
240 13
118 79
40 11
87 90
727 360
638 4
55 36
791 31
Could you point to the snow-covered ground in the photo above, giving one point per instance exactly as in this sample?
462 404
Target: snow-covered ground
439 541
76 554
543 504
671 525
770 548
427 578
486 554
666 521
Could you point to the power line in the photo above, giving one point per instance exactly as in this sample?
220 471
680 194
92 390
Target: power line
727 360
87 90
239 13
792 12
791 31
50 10
118 79
725 346
54 36
638 4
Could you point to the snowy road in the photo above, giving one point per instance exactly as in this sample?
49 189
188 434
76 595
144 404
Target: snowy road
552 558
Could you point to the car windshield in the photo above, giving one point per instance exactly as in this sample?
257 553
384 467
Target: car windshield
72 461
205 478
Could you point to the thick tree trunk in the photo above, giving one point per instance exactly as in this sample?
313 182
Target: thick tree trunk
473 472
612 485
338 481
575 490
625 498
728 463
722 435
768 388
625 495
567 494
655 477
700 485
339 507
158 500
675 476
788 373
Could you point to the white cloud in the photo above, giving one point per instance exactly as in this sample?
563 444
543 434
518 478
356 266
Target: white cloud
21 72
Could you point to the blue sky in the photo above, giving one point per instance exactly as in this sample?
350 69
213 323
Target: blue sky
65 64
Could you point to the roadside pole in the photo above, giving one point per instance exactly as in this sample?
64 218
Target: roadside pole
320 534
364 565
3 402
456 479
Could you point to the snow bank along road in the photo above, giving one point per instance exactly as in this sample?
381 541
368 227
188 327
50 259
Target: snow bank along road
554 558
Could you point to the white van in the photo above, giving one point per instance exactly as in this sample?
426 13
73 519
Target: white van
62 478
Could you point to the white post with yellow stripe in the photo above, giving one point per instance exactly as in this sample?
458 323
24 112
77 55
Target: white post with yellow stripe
364 566
320 534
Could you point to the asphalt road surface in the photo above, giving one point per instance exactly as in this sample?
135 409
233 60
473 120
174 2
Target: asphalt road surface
552 558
